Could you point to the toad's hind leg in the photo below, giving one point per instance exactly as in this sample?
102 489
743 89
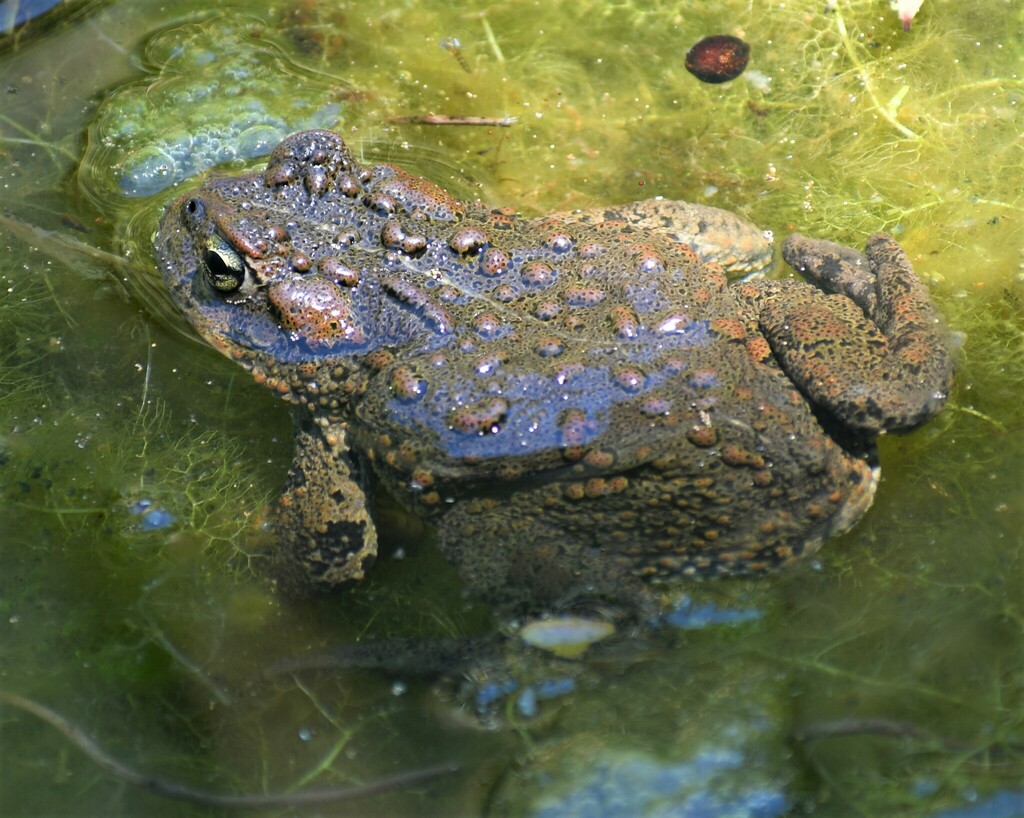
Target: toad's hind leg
874 353
325 535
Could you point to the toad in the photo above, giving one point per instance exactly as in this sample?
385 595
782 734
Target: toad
582 403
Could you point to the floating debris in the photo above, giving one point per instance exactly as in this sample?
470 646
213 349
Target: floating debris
567 637
454 47
906 9
718 58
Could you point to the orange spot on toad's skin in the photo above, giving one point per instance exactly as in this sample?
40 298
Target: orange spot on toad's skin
729 328
758 349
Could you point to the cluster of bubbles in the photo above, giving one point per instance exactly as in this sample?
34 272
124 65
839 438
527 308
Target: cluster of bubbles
222 96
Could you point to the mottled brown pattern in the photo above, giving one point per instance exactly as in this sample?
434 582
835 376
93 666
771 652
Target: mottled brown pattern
581 402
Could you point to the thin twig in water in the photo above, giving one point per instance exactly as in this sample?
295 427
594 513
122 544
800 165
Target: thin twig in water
491 39
441 119
180 792
878 727
892 728
190 667
57 245
145 381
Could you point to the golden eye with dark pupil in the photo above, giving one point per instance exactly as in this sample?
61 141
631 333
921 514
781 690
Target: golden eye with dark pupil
224 267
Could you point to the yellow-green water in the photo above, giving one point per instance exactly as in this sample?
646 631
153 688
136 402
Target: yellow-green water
155 642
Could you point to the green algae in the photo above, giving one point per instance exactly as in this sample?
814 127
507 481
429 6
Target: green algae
156 640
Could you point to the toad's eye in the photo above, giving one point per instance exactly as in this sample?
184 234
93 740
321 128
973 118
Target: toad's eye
223 266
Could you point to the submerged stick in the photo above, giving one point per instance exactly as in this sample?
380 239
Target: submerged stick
892 728
872 726
181 792
442 119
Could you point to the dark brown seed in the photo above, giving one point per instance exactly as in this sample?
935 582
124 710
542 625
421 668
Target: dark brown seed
719 58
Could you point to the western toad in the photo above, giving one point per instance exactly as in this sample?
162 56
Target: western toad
581 402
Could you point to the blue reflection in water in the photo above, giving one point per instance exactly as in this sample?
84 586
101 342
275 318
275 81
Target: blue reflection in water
638 785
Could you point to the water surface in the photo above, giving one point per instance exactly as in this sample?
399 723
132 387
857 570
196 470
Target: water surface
885 677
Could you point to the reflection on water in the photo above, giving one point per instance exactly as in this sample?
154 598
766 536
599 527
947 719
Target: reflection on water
136 466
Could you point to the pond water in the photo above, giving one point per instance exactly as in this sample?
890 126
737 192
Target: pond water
883 677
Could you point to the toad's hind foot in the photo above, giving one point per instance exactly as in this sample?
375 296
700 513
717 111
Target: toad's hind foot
876 353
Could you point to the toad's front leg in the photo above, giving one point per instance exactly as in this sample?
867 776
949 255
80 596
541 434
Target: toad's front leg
323 525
